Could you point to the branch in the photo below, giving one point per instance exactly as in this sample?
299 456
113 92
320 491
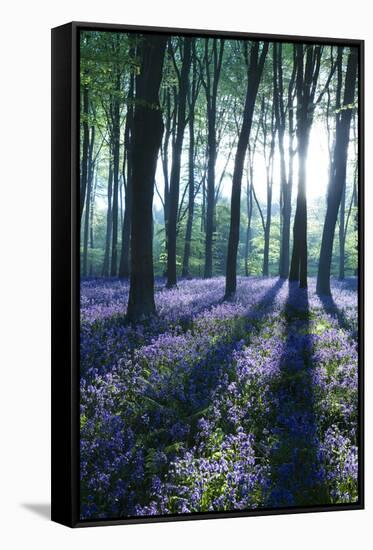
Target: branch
327 83
158 193
258 205
173 59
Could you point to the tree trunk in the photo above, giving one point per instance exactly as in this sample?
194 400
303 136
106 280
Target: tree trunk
342 234
85 148
211 88
298 269
286 208
175 167
338 180
210 195
306 83
250 191
286 180
124 264
267 230
91 234
193 94
105 266
189 224
147 137
249 206
115 135
269 171
254 74
87 215
168 131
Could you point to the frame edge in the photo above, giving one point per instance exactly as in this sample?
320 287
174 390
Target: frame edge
61 315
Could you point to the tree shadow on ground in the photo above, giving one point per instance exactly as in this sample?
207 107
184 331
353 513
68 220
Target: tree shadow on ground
173 415
206 374
331 308
265 304
296 473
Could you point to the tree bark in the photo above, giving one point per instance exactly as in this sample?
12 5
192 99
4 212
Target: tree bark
286 180
109 222
147 137
250 193
298 269
269 172
211 89
338 179
306 82
267 230
189 224
342 234
92 213
124 264
85 147
254 74
176 161
249 206
168 131
115 136
193 94
87 215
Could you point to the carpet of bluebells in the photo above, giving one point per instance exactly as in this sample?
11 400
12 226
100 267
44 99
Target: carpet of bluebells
214 406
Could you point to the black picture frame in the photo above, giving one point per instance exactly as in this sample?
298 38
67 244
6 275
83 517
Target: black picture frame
66 277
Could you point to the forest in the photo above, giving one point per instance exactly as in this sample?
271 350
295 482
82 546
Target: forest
219 262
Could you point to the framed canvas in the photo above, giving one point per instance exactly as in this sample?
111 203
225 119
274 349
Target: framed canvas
207 274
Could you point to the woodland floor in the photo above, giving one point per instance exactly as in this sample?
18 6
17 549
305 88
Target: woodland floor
216 406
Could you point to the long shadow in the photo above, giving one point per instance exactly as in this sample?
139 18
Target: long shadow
201 380
94 335
295 469
331 308
173 417
255 315
206 374
265 304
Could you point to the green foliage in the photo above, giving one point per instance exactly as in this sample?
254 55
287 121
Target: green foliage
107 63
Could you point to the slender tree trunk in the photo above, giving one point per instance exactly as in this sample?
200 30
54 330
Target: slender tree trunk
147 137
109 222
164 155
189 224
342 235
250 191
176 161
85 148
192 98
210 196
249 206
338 180
90 175
254 74
211 88
286 180
203 207
116 148
267 230
269 171
121 208
124 264
286 217
91 234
